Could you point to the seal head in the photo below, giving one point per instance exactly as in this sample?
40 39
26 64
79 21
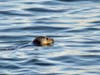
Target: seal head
43 41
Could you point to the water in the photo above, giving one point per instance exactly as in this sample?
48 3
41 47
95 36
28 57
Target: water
74 25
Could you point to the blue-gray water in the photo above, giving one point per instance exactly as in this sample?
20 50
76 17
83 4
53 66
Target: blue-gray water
74 25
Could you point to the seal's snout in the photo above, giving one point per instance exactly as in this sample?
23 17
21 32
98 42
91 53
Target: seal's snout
43 41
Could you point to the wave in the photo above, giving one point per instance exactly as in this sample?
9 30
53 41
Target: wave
78 0
45 10
13 13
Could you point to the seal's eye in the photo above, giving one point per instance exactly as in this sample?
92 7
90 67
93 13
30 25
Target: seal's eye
47 38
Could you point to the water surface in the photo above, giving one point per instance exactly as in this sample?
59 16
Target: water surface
74 25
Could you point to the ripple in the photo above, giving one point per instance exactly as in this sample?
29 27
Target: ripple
33 28
97 22
12 13
51 3
69 0
85 29
94 51
42 63
75 0
45 10
4 65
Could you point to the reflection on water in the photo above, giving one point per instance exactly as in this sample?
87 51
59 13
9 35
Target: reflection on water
74 25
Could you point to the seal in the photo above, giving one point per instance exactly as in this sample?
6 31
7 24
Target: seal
43 41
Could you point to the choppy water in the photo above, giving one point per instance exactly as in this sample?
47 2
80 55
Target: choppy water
74 24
